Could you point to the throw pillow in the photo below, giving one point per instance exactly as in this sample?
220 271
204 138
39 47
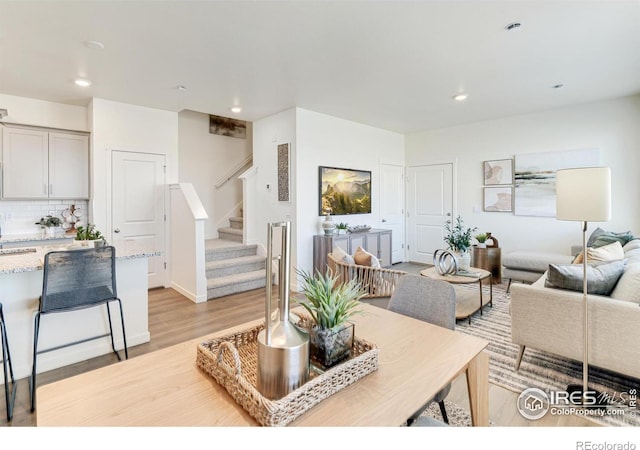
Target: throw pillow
600 237
609 252
364 258
339 254
601 276
628 287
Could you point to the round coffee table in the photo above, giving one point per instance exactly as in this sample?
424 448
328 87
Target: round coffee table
467 303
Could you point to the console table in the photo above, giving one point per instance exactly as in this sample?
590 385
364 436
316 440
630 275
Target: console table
375 241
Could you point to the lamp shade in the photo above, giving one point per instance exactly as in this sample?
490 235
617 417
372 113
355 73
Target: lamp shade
583 194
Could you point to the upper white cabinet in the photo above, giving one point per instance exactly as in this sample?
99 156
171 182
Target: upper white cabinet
39 164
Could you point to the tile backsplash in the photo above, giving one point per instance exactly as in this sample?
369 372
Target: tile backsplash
19 217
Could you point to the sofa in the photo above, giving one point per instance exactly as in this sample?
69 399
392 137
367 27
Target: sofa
551 319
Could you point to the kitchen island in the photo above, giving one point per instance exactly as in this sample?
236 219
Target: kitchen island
21 276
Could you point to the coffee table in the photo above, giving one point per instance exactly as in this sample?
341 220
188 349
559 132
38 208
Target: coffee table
467 303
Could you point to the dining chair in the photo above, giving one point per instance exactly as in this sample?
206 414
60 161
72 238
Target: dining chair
433 301
9 391
74 280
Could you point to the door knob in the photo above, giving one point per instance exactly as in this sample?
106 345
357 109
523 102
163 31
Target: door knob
384 220
117 230
448 214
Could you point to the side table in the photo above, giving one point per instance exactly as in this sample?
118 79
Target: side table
490 259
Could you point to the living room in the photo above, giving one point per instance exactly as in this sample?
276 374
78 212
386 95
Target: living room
531 115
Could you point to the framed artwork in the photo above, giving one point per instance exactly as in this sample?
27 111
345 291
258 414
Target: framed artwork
498 172
226 126
283 172
535 178
344 191
498 199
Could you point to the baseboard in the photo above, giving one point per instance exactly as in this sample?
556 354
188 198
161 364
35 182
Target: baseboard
187 293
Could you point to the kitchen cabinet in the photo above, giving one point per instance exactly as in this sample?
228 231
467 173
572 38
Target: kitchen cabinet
375 241
44 164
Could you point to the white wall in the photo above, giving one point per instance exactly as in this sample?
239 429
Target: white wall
317 140
29 111
120 126
268 133
203 159
329 141
612 126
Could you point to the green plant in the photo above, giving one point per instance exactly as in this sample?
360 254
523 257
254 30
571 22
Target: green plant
330 302
342 226
481 238
458 238
49 221
88 233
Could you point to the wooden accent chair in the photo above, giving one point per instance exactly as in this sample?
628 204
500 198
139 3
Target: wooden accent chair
377 282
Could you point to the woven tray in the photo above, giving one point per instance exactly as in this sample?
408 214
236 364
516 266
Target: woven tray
232 361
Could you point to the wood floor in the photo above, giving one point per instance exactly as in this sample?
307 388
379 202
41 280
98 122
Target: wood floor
174 319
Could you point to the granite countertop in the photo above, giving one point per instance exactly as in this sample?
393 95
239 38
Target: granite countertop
31 259
30 237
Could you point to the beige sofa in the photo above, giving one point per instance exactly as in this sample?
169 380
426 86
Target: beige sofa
551 320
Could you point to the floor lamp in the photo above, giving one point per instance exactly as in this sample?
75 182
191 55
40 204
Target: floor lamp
584 195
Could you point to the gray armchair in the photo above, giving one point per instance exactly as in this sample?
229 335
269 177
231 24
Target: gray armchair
432 301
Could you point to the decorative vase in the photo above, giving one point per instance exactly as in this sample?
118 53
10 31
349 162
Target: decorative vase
328 225
50 231
464 260
482 245
492 241
329 346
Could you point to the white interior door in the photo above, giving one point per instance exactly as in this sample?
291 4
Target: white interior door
138 215
429 206
392 207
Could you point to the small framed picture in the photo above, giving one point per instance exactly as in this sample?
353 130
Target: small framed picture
498 199
498 172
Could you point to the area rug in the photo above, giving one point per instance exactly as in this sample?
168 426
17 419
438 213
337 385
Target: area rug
539 369
458 417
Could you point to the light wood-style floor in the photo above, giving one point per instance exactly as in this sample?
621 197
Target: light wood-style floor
174 319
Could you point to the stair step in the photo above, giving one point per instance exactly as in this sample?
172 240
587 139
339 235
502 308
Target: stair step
232 284
231 266
236 222
231 234
233 250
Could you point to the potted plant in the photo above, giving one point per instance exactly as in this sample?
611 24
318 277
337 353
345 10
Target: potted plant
458 238
342 227
331 304
89 233
49 224
482 240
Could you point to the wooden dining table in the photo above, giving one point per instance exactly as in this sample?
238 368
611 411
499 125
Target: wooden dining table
166 388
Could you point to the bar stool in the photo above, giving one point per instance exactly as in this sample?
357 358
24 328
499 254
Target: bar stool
9 392
74 280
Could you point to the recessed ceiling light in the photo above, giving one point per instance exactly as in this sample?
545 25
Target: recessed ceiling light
236 109
182 88
94 45
513 26
460 97
557 86
82 82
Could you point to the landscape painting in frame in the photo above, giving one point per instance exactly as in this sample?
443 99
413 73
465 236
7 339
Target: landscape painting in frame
535 178
226 126
344 191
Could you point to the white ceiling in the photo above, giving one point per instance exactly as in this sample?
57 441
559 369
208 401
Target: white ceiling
390 64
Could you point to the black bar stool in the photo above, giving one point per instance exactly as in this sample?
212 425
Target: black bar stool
9 392
73 280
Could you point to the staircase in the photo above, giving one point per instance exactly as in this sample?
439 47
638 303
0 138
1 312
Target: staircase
231 266
233 232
